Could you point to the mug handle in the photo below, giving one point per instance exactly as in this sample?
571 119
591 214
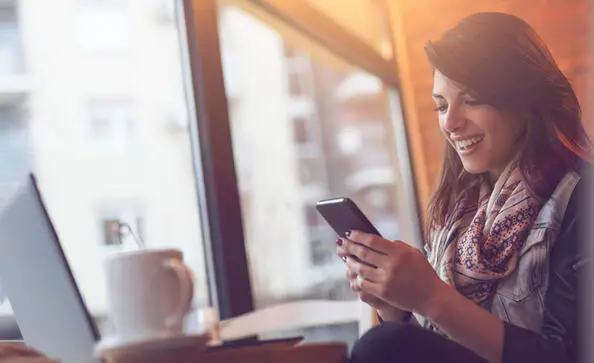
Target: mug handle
186 286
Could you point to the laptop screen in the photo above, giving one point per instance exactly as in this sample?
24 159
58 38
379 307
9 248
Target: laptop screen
35 273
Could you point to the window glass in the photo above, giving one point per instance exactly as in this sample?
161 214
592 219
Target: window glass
103 123
303 130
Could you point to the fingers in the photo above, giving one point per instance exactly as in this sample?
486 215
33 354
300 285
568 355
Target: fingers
371 300
371 241
371 288
365 272
360 252
351 275
341 251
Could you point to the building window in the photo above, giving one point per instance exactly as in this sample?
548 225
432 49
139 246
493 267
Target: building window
112 232
121 225
15 156
11 54
319 235
311 171
110 124
300 130
298 71
296 87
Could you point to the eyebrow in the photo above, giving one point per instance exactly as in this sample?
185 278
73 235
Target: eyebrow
463 92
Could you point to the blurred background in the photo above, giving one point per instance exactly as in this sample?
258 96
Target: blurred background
215 126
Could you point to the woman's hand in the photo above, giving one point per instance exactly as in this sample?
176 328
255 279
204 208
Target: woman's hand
384 309
402 278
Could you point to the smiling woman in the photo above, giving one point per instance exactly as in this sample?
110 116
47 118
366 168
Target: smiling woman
497 281
483 137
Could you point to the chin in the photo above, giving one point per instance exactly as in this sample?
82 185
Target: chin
473 168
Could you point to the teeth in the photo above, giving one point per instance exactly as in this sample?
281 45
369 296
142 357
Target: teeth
465 144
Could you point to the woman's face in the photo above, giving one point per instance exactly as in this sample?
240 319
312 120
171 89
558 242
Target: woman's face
484 138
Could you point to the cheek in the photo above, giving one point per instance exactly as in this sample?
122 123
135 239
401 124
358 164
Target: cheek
505 134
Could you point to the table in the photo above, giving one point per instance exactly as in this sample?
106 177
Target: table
303 353
283 352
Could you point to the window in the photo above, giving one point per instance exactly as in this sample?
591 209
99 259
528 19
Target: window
300 131
15 156
11 55
83 101
112 76
298 71
122 227
110 124
273 126
321 252
112 232
311 171
296 87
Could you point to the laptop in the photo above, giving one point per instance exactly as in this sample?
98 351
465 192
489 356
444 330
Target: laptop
36 277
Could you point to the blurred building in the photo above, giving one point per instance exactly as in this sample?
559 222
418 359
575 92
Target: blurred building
93 102
303 130
92 98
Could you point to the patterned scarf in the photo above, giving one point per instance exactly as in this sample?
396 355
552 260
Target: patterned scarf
482 241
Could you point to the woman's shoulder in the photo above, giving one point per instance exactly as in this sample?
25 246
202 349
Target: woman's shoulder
582 196
572 232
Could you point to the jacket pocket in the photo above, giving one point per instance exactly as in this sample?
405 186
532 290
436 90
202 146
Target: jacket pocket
528 276
519 297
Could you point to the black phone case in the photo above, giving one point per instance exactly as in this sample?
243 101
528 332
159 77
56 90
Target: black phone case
343 215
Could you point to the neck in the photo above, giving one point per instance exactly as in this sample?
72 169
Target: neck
492 176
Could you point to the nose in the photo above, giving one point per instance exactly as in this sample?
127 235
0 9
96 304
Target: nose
454 119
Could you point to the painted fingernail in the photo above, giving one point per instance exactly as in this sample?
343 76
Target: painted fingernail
339 242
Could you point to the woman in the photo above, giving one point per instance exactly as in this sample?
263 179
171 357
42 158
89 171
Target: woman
498 280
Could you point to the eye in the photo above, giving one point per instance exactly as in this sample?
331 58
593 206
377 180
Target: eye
441 108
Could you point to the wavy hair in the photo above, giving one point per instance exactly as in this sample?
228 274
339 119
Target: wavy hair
501 60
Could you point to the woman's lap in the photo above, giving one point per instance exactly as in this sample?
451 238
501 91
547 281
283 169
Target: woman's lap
399 342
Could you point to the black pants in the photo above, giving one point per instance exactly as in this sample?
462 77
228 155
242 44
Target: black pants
406 343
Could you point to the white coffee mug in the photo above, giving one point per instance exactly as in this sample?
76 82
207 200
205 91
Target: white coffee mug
149 293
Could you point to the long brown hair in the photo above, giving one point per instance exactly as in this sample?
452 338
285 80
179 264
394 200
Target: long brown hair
501 60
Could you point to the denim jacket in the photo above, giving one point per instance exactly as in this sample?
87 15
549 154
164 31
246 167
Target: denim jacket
538 302
519 298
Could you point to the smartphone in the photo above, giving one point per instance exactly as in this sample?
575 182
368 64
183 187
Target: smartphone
343 215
